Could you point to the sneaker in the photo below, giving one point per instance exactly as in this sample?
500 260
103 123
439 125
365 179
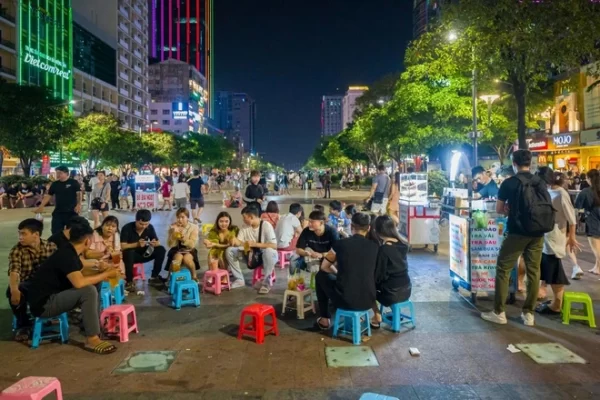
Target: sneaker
238 284
155 280
528 319
495 318
264 290
577 273
130 287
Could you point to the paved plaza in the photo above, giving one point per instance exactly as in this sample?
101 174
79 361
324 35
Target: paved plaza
462 356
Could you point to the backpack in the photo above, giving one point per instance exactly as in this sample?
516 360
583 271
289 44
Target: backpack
534 214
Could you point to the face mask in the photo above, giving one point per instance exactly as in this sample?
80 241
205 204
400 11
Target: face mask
515 168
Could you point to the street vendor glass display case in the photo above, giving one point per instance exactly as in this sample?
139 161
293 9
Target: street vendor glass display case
413 188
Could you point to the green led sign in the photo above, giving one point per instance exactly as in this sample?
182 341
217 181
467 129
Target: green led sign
46 45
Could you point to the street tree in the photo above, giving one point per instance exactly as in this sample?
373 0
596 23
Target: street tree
97 135
32 122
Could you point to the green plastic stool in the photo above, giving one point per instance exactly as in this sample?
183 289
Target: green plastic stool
578 297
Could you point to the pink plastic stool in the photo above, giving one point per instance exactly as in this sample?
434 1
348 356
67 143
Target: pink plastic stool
138 272
259 276
216 286
283 257
116 321
32 388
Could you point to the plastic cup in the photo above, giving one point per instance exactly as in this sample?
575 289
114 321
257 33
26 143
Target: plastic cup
114 281
176 266
246 247
116 257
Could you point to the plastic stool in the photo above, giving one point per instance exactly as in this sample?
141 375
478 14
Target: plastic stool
216 276
179 300
41 332
258 275
578 297
395 319
284 260
300 307
32 388
105 299
183 275
138 272
118 292
375 396
256 326
116 321
351 318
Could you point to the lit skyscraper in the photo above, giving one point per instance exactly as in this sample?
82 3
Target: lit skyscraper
331 115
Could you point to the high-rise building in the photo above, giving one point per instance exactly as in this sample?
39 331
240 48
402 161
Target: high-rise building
122 24
425 13
349 103
183 30
178 97
235 114
331 115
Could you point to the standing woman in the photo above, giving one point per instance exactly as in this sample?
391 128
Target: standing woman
181 192
589 200
100 196
558 241
165 190
183 236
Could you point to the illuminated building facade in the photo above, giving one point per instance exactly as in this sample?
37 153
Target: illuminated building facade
183 30
331 115
235 114
349 103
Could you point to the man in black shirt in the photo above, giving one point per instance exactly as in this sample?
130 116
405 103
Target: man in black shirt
61 239
140 244
115 189
315 241
68 198
254 193
59 286
347 275
196 197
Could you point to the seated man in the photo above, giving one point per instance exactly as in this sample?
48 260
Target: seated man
257 235
140 244
24 194
350 284
314 241
289 228
23 260
337 219
59 286
13 195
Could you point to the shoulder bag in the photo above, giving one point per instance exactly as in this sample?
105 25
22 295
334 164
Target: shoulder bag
255 257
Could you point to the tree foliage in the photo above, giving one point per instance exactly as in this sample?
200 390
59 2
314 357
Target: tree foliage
97 135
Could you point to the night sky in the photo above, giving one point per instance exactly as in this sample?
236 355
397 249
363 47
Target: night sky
286 54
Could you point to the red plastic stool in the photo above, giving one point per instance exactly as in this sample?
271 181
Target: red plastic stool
216 287
259 276
284 260
138 272
32 388
117 321
256 326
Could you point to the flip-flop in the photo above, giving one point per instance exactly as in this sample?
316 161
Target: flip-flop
321 327
22 334
545 309
375 325
101 348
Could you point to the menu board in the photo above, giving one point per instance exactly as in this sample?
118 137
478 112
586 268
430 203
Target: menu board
485 246
403 222
459 249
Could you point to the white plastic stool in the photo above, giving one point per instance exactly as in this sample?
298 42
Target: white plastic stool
300 307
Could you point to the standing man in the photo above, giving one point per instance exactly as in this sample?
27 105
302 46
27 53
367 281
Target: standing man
131 185
327 185
196 197
254 193
67 197
115 188
380 191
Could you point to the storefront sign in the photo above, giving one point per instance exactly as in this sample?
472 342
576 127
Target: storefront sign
44 62
403 222
591 136
538 144
564 141
180 110
485 245
46 165
146 200
459 250
145 178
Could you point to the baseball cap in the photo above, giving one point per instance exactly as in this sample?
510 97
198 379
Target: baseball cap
62 168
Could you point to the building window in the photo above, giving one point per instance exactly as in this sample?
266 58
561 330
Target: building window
166 112
153 112
177 122
166 122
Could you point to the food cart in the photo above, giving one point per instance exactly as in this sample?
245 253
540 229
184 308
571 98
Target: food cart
146 192
419 214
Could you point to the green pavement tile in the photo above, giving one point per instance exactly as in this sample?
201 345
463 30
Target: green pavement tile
146 361
550 353
346 356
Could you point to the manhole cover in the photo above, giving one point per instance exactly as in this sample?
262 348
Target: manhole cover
355 356
146 361
550 353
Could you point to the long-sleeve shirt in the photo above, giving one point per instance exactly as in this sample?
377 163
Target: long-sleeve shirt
253 193
189 237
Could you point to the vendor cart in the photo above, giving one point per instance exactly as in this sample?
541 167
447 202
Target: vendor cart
146 194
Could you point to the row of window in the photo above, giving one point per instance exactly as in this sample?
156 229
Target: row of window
168 121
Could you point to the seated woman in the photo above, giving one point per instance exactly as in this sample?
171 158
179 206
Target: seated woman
235 199
183 236
271 214
106 242
392 282
219 238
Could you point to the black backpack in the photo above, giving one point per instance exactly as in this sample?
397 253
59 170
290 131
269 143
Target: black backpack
534 214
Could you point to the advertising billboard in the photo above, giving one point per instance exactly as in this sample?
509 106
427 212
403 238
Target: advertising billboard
180 110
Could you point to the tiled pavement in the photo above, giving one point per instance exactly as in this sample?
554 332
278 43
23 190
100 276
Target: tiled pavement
462 357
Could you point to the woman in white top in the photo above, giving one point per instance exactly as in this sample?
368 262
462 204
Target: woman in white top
558 241
181 192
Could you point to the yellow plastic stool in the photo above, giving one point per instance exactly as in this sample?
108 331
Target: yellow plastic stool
578 297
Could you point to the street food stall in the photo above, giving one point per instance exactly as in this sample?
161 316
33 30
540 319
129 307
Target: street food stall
146 191
419 214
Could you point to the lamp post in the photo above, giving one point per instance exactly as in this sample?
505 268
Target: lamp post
489 100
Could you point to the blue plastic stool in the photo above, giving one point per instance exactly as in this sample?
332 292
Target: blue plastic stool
41 332
351 321
105 299
119 292
180 300
375 396
183 275
14 323
395 319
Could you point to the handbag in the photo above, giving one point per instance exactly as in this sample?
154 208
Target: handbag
98 201
255 257
379 196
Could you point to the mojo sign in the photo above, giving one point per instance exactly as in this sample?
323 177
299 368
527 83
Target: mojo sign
564 140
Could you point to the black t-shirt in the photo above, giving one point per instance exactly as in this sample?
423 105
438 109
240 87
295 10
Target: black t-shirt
65 194
320 244
130 235
195 185
355 283
391 275
51 277
12 191
59 239
115 186
509 193
24 190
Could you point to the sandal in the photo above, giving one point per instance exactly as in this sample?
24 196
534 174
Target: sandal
545 309
22 334
321 327
101 348
375 324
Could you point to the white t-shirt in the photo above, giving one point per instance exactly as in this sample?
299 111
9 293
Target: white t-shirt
286 228
249 234
181 190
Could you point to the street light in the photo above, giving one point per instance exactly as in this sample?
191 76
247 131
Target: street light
148 126
489 100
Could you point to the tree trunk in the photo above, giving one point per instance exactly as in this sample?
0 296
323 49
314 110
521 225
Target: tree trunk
521 99
502 152
26 166
1 161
